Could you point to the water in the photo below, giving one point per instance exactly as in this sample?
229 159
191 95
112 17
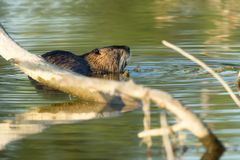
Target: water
208 30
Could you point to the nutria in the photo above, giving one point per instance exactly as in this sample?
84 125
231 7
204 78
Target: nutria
111 59
106 62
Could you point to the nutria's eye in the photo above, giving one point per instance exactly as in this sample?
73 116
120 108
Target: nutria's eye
96 51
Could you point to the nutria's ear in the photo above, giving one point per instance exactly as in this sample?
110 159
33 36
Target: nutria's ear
96 51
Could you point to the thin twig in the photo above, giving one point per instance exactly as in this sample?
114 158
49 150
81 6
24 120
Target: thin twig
166 140
147 121
203 65
160 131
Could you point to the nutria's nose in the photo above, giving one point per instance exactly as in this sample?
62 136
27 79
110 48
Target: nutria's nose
127 48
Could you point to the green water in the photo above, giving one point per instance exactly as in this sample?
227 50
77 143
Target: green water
208 29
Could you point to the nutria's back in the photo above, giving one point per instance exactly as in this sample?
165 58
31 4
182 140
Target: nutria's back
68 60
111 59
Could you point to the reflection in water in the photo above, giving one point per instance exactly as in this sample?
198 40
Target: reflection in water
225 24
113 76
12 132
36 120
205 98
81 25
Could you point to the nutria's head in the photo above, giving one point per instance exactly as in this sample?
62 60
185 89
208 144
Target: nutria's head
111 59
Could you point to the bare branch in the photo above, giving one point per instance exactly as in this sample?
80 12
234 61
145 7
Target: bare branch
99 90
161 131
147 121
166 140
203 65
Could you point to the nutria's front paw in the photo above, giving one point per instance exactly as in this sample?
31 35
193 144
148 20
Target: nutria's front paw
126 74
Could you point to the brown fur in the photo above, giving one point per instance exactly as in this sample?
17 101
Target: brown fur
107 62
111 59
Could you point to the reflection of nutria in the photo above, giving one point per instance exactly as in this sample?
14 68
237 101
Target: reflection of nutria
106 62
112 59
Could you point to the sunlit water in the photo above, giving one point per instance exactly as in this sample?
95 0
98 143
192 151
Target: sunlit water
209 30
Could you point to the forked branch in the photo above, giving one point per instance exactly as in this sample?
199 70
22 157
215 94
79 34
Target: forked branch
104 91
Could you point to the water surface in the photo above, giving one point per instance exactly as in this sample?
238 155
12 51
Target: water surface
207 29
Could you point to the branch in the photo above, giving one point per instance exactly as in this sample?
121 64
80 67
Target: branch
99 90
203 65
162 131
166 138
